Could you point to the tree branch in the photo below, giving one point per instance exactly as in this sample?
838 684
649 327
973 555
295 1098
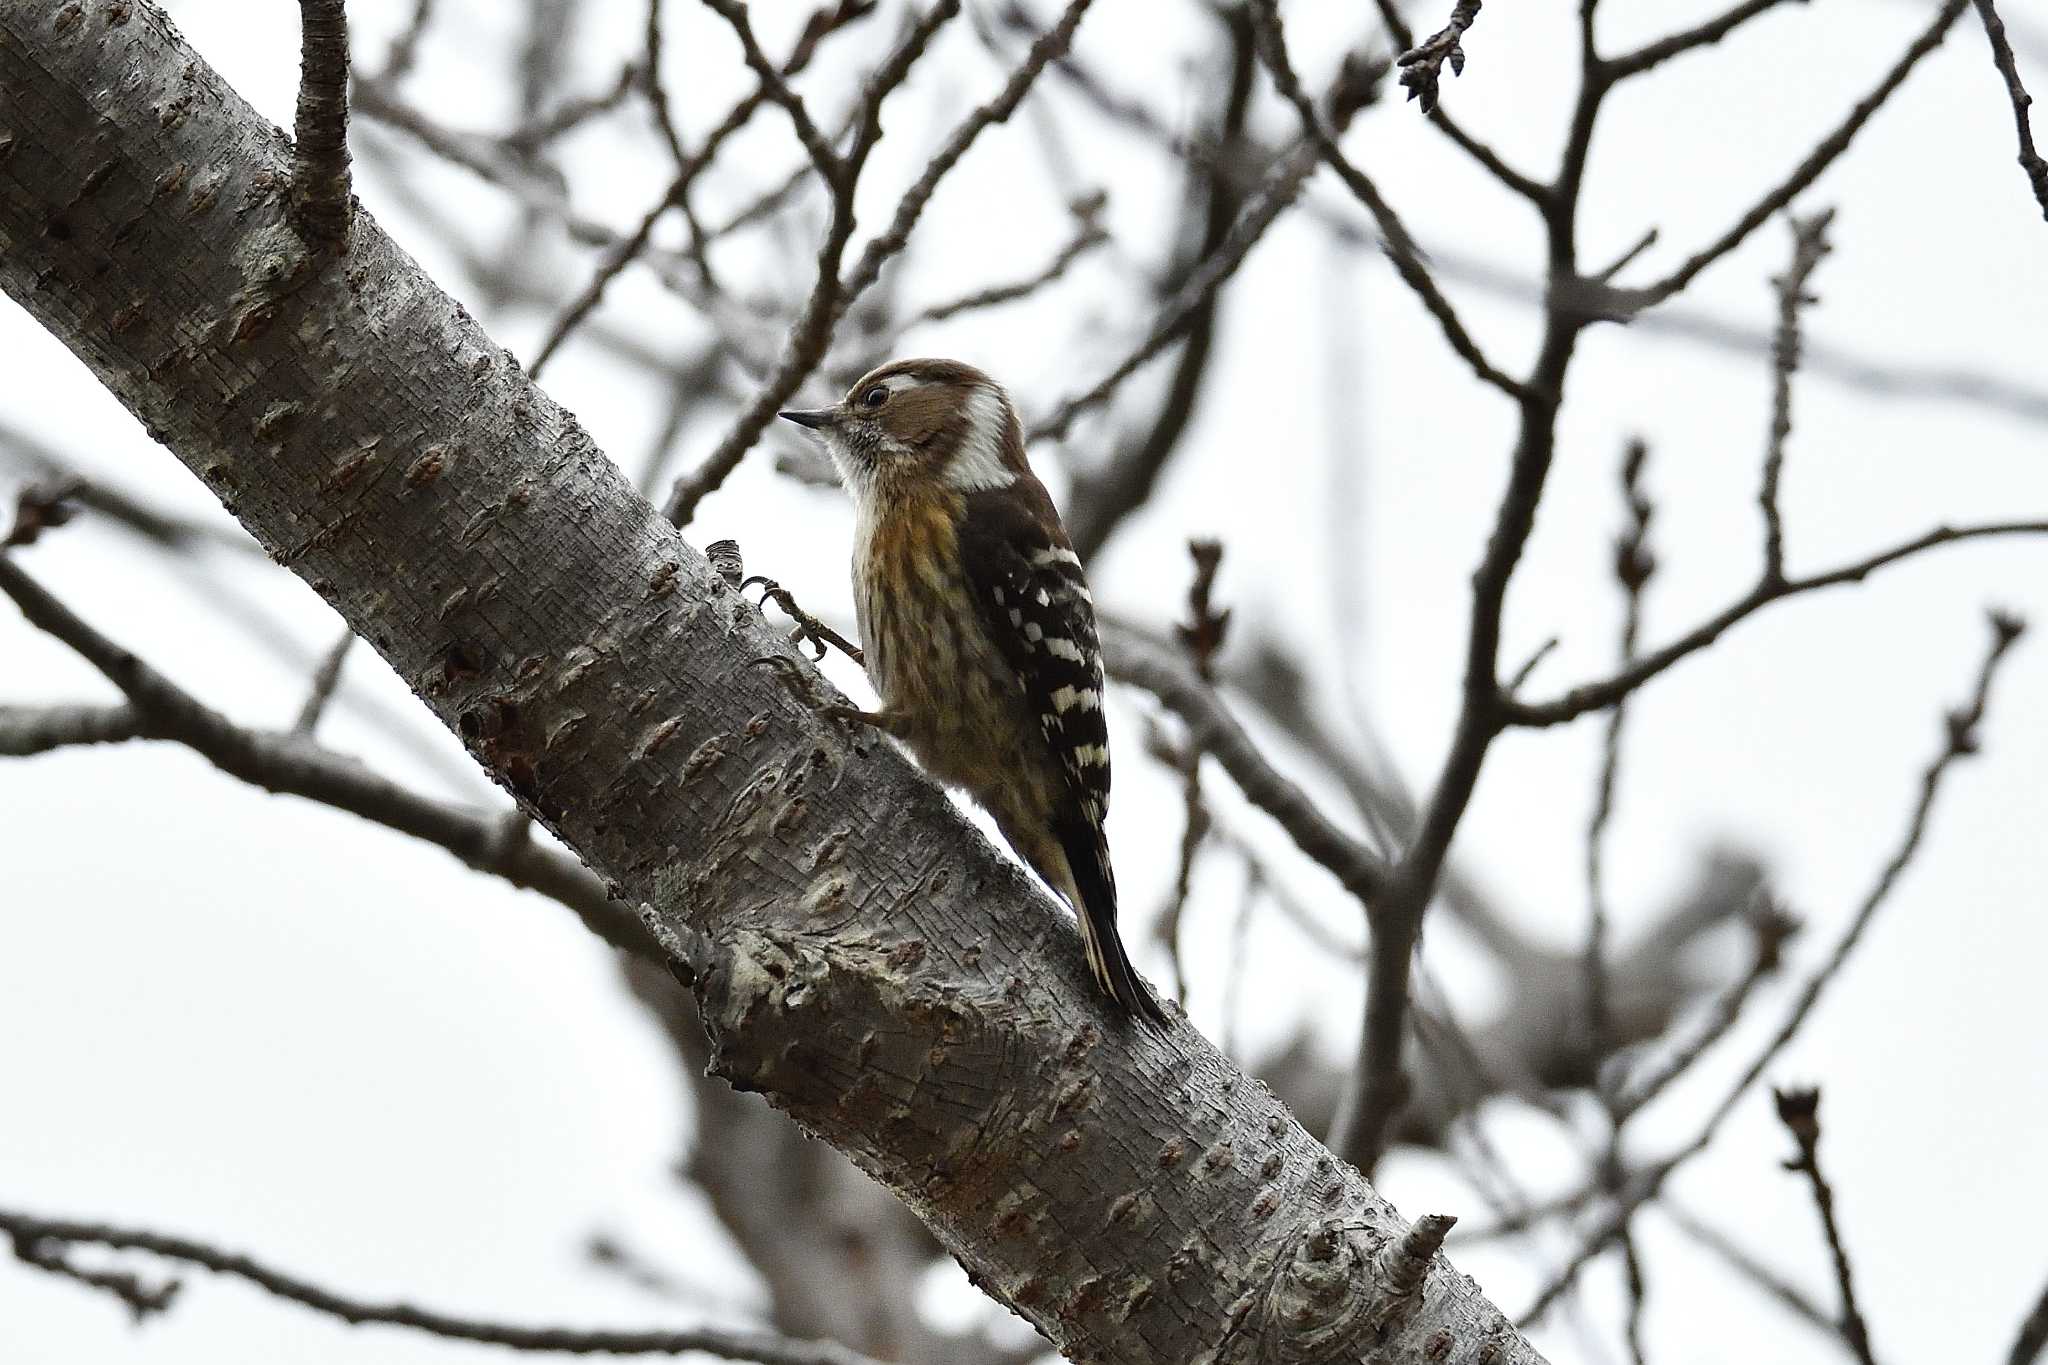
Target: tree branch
765 1347
1596 696
1689 40
288 764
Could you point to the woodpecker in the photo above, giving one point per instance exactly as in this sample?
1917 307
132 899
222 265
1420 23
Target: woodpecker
978 628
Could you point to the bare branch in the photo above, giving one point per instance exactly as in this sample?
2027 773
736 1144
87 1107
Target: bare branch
2001 54
26 731
831 169
1807 171
766 1347
1712 31
1799 1111
1809 245
529 138
1510 178
1177 314
1107 491
1054 42
656 89
1088 235
1401 248
321 196
1599 695
290 764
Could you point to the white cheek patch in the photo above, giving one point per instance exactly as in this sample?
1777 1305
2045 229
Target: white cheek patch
979 465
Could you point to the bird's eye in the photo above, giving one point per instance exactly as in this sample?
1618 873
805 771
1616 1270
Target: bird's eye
875 397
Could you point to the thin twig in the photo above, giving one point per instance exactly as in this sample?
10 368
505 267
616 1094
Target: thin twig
1809 245
1088 235
656 89
1799 1111
767 1347
830 167
321 199
325 679
529 138
1634 563
2001 54
1807 171
1179 312
1688 40
1510 178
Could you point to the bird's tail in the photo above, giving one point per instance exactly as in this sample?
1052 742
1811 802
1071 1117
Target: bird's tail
1092 890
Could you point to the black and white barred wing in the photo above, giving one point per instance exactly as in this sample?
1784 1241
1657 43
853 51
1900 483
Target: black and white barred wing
1035 601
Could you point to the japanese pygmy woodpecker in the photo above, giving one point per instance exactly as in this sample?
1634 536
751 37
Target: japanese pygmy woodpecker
978 627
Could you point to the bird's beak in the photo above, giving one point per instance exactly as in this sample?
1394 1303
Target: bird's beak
814 418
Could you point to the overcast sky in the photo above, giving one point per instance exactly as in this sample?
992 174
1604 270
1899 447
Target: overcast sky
253 1021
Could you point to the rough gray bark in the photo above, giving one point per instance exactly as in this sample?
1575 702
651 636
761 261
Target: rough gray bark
859 954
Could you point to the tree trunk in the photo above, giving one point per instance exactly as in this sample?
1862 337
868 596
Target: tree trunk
860 955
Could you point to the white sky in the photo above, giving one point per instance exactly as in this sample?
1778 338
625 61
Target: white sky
256 1022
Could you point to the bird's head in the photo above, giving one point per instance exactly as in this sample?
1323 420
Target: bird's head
918 421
